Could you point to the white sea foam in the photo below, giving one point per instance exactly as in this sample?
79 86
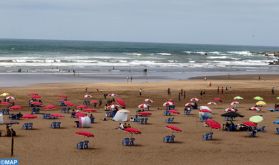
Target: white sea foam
165 54
244 53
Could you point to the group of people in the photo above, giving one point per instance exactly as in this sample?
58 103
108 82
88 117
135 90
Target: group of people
123 126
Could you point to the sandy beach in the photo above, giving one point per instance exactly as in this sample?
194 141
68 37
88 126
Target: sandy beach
44 145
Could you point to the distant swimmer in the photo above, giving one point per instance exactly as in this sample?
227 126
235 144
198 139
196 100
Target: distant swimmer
205 54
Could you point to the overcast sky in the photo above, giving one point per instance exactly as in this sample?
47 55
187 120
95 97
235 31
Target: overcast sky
241 22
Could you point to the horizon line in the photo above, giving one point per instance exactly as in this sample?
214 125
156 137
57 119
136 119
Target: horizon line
151 42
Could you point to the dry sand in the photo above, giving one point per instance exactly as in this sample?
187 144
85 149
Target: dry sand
45 146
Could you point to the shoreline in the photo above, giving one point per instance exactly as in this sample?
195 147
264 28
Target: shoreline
30 79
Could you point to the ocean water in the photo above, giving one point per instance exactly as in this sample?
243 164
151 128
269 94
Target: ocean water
36 56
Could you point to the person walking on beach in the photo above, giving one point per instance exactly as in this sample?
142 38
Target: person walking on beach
273 90
201 93
218 90
131 79
222 91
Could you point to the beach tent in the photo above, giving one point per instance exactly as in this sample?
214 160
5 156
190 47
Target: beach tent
85 122
121 115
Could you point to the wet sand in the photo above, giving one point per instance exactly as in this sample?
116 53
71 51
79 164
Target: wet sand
58 146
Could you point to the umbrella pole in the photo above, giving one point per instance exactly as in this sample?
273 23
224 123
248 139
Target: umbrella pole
12 144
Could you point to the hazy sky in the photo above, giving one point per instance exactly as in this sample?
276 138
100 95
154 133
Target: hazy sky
248 22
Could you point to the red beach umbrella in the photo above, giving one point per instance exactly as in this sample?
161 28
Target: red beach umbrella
36 103
68 103
213 124
132 130
89 110
81 106
144 113
4 103
16 107
80 114
174 111
57 115
174 128
36 96
120 102
49 107
85 133
249 124
29 116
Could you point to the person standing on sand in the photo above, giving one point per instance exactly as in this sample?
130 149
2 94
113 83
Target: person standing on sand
131 79
86 90
140 91
169 91
222 90
201 93
218 90
273 90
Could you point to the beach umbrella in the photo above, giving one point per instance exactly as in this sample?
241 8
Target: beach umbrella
258 98
57 115
81 106
255 109
36 96
217 99
85 133
194 99
4 103
94 101
188 105
212 103
174 128
234 103
10 98
168 103
5 94
148 100
120 102
80 114
143 106
238 98
36 103
213 124
276 122
132 130
232 114
249 124
205 111
144 113
256 119
260 103
174 111
68 103
16 107
49 107
29 116
89 110
230 110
